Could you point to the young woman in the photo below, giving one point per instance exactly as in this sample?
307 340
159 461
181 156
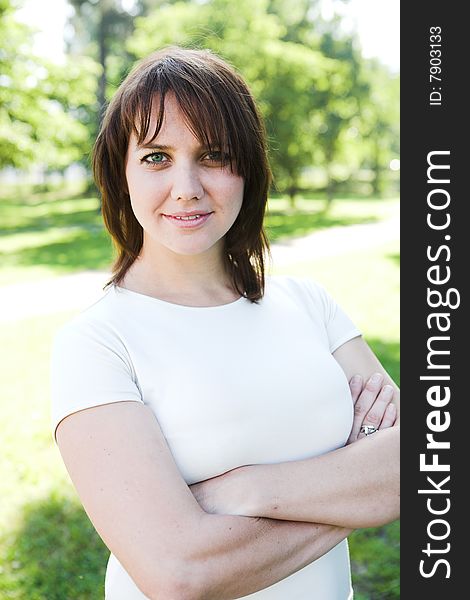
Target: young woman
202 409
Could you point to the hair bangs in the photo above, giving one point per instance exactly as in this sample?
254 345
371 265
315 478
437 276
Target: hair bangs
206 121
147 95
209 118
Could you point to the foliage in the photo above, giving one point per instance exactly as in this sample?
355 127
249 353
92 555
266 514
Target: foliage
97 29
341 101
380 122
375 562
40 102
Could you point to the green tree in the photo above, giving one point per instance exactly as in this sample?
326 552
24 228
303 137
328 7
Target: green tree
380 122
99 29
39 101
300 19
342 101
294 78
337 114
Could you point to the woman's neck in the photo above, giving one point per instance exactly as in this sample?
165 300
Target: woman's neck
193 279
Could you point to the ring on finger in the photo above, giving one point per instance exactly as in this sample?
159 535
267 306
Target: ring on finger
368 429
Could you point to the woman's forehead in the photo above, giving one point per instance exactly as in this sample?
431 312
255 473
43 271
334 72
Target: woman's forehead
168 124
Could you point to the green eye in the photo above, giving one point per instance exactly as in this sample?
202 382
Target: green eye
153 158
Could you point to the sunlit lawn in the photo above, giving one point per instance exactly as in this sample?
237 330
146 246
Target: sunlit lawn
48 549
44 235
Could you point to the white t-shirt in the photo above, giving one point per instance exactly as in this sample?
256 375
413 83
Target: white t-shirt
230 385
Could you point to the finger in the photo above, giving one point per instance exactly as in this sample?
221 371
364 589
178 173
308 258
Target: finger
376 413
355 385
365 401
390 416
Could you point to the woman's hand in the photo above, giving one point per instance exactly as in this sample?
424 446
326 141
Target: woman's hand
372 405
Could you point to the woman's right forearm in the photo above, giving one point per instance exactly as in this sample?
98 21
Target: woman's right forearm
237 556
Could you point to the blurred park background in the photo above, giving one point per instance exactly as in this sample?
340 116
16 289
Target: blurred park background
332 116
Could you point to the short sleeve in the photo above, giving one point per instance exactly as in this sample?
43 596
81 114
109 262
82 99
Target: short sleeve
339 327
89 367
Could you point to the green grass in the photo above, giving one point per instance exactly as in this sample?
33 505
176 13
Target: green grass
48 548
43 237
51 234
309 215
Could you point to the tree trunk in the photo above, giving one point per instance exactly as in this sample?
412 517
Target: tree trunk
102 60
292 198
329 190
377 168
103 79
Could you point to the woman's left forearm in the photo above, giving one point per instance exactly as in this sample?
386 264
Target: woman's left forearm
355 486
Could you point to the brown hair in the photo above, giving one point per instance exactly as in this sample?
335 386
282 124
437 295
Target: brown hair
220 112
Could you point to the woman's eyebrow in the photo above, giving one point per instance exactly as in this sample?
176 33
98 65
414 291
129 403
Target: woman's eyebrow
154 146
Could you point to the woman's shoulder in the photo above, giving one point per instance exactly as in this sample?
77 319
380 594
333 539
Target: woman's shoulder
307 292
95 320
303 285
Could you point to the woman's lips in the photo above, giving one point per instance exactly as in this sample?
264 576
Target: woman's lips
188 223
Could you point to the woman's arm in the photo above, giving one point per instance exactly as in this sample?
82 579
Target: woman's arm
356 357
133 493
354 486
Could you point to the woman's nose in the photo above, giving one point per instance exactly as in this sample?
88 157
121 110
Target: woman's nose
186 184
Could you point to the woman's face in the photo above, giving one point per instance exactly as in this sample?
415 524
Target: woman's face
174 176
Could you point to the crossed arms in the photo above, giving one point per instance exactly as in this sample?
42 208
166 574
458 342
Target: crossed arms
183 543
